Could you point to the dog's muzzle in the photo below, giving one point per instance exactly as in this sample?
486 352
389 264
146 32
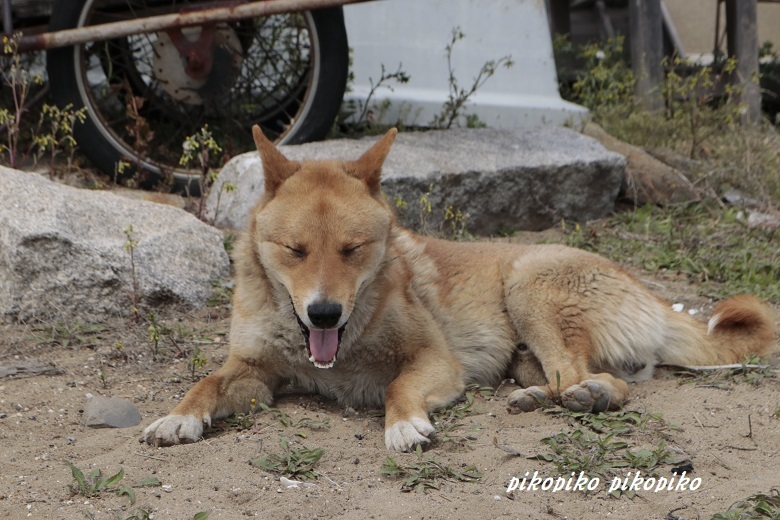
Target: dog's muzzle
322 340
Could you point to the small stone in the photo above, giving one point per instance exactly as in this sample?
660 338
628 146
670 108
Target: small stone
115 412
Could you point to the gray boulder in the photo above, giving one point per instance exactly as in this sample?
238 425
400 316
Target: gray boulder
502 179
63 252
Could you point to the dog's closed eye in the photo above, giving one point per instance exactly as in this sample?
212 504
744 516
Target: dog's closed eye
298 251
348 251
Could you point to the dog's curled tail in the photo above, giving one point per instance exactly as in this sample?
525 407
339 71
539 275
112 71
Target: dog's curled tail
739 326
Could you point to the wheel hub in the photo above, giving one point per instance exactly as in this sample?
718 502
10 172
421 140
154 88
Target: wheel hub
196 64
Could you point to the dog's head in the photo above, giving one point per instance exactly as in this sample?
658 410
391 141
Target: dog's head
321 233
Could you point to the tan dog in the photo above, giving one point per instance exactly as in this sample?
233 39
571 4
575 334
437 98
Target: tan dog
333 296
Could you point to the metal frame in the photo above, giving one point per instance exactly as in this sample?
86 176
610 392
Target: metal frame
225 11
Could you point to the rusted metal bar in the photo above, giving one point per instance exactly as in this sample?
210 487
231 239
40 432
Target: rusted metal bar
124 28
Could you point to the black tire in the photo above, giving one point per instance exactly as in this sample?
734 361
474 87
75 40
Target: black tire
102 76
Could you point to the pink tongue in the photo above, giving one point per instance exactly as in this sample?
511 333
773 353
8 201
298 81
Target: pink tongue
323 344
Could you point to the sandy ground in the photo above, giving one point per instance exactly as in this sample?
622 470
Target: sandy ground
730 432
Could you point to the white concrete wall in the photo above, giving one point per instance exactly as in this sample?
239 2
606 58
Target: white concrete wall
415 33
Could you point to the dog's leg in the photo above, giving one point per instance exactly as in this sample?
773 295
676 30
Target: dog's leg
431 380
565 366
229 390
558 338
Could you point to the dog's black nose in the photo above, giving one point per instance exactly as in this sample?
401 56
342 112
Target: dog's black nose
324 315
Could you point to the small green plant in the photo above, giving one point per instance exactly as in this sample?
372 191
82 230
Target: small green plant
291 462
156 331
225 187
700 98
55 133
288 422
19 81
95 483
385 78
197 361
257 411
103 379
68 334
755 507
619 422
221 294
456 221
453 108
580 450
139 514
137 128
593 445
201 148
427 473
449 419
605 79
452 224
130 245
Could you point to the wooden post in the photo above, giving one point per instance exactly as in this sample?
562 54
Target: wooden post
647 50
742 34
560 16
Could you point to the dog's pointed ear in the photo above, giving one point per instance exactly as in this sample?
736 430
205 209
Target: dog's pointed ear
276 167
369 167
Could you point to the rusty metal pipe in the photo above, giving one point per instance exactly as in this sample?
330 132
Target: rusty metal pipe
121 29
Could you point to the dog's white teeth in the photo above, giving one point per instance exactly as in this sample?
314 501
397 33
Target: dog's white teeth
320 364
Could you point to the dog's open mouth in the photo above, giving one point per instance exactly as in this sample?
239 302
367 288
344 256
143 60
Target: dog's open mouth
322 344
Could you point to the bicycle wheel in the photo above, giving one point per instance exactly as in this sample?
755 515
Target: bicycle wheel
145 94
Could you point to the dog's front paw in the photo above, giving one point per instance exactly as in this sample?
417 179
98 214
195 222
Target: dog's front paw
175 429
405 435
528 399
590 395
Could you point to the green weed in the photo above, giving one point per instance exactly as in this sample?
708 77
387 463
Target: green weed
453 108
68 334
449 418
95 483
601 455
156 331
618 422
713 248
222 293
594 445
290 462
130 245
202 149
700 119
755 507
197 361
245 421
426 473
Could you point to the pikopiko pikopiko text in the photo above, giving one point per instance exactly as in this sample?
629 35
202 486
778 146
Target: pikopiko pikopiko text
582 482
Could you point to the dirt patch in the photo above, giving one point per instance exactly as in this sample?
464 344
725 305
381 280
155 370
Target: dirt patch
728 430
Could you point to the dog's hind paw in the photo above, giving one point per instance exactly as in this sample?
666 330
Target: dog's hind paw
175 429
528 400
590 395
405 435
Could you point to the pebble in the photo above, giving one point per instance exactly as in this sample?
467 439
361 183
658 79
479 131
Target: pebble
115 412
